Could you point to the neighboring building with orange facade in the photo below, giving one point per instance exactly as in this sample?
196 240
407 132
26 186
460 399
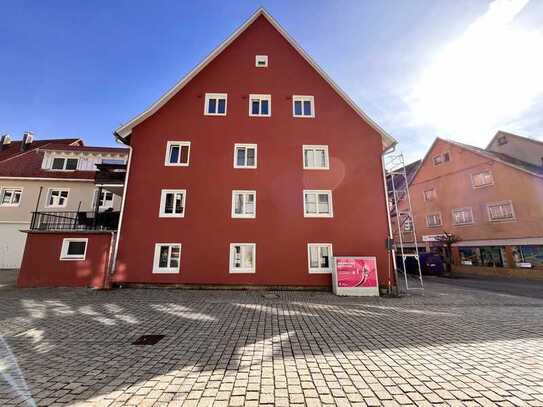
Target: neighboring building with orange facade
491 199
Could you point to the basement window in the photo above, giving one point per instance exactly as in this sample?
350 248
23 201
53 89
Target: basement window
167 258
74 249
242 257
64 164
319 257
261 61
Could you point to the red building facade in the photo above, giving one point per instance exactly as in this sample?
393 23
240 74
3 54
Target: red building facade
254 170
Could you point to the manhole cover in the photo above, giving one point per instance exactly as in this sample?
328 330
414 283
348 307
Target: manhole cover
148 340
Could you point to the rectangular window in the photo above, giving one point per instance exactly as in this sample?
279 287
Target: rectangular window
462 216
303 106
105 200
64 164
319 257
57 198
244 204
177 153
441 158
172 203
318 204
242 257
215 104
429 194
407 224
74 249
11 196
261 61
500 211
433 220
167 258
260 105
245 156
316 157
482 179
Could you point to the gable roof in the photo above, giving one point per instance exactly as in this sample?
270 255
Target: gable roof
505 133
126 129
499 157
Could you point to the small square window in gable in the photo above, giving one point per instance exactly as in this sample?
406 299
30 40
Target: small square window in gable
261 61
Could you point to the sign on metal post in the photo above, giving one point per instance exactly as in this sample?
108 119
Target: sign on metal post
356 276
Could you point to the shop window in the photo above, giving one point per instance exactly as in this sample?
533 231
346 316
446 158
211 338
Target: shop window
528 255
470 256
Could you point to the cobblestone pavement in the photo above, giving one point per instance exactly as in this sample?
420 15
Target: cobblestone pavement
452 346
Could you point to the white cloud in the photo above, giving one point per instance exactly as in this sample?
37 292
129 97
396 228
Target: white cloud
487 78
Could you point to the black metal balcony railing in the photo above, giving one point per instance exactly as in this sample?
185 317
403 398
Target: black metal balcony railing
56 221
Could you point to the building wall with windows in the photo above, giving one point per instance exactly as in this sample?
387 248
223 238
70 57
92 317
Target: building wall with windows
65 259
257 207
491 206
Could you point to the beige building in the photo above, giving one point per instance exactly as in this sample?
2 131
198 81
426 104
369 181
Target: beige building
55 175
490 200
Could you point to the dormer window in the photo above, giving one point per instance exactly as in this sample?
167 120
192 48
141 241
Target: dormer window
261 61
64 164
441 159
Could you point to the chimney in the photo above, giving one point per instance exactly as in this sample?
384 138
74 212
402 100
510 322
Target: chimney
5 140
28 136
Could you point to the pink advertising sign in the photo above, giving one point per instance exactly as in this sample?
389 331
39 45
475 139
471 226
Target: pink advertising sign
356 273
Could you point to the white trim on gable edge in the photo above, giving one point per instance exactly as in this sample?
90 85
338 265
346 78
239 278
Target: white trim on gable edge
126 129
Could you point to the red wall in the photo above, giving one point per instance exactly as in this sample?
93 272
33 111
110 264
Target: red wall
41 266
280 231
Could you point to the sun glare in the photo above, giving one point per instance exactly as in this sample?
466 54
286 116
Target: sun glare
483 80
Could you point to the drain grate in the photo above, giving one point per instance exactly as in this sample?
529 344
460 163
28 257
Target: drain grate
148 340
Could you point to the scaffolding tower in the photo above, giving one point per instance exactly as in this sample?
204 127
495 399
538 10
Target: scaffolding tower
407 270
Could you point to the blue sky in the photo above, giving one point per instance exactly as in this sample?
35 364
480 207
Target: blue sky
79 68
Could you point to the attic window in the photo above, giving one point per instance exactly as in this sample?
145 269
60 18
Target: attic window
64 164
441 159
502 140
261 61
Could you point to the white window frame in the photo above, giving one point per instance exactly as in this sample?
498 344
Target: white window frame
263 58
50 191
434 194
319 269
64 256
440 220
469 209
65 163
242 270
13 190
156 259
170 144
95 197
303 98
483 185
318 192
245 193
512 219
216 96
163 194
246 146
307 147
260 98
